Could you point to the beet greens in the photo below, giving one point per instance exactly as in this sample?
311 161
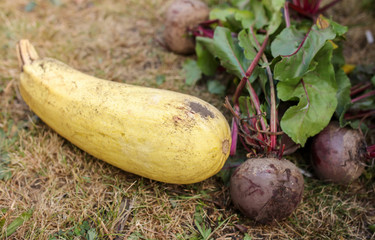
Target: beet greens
290 81
274 62
281 53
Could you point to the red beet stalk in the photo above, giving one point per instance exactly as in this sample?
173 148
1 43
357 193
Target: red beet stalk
311 8
366 95
371 151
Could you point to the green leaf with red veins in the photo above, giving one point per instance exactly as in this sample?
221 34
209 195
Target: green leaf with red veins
229 52
291 68
287 41
317 99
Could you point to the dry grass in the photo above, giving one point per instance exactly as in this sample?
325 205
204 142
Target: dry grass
74 195
351 14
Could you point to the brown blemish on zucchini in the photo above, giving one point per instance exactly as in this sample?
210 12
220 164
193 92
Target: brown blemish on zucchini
225 146
201 110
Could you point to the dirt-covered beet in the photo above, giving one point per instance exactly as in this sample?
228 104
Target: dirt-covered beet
266 189
182 16
338 154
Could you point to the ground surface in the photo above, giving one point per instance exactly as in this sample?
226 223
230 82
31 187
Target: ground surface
70 195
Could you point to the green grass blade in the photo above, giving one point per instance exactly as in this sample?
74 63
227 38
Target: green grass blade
13 226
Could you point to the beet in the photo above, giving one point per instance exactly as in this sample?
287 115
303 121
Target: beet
182 16
266 189
338 154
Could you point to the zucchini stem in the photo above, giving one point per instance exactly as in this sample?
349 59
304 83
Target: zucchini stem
26 53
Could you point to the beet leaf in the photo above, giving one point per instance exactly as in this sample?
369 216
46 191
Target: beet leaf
228 50
287 42
205 60
292 67
192 72
316 93
246 43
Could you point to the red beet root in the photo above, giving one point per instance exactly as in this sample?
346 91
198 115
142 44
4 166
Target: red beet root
182 16
338 154
266 189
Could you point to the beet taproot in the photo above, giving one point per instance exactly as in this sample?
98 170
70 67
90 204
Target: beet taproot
181 17
338 154
266 189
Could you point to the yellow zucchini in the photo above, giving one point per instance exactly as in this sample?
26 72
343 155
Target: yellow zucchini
158 134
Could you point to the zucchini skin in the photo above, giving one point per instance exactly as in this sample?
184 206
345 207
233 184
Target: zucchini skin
158 134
